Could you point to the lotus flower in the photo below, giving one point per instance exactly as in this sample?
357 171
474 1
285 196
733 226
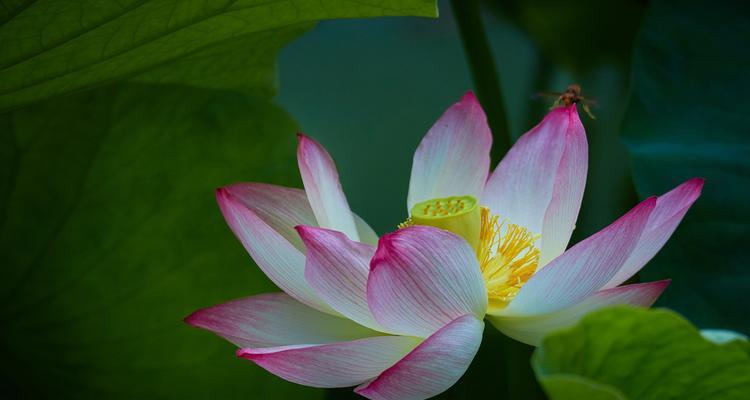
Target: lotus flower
402 316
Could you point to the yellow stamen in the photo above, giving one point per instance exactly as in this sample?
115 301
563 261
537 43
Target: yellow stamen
406 223
507 257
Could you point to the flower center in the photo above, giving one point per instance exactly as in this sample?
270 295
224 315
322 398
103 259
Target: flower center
458 214
506 252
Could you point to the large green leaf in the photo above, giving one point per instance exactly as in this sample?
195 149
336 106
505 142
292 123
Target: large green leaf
55 47
110 236
623 352
688 117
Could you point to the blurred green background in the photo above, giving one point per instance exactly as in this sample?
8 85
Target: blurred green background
117 121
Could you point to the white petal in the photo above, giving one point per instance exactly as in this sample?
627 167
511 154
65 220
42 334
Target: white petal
531 329
453 159
262 217
669 210
323 189
275 319
584 268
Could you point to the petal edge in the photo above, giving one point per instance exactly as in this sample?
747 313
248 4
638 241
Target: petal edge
531 329
453 158
432 367
274 319
670 208
321 181
279 259
332 365
584 268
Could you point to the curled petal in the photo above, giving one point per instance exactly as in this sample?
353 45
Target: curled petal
539 184
669 210
431 368
274 319
531 329
263 228
584 268
337 268
453 159
281 208
332 365
323 189
421 278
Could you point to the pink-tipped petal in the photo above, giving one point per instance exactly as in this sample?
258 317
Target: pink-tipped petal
421 278
337 268
539 184
567 193
584 268
670 209
332 365
274 319
281 208
432 367
323 189
274 252
453 159
531 329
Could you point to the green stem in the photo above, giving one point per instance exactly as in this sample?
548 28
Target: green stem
483 71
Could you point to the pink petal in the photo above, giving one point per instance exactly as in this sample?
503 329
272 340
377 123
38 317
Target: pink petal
281 208
323 189
584 268
337 268
332 365
421 278
453 159
531 329
539 184
274 319
670 208
567 193
431 368
263 226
